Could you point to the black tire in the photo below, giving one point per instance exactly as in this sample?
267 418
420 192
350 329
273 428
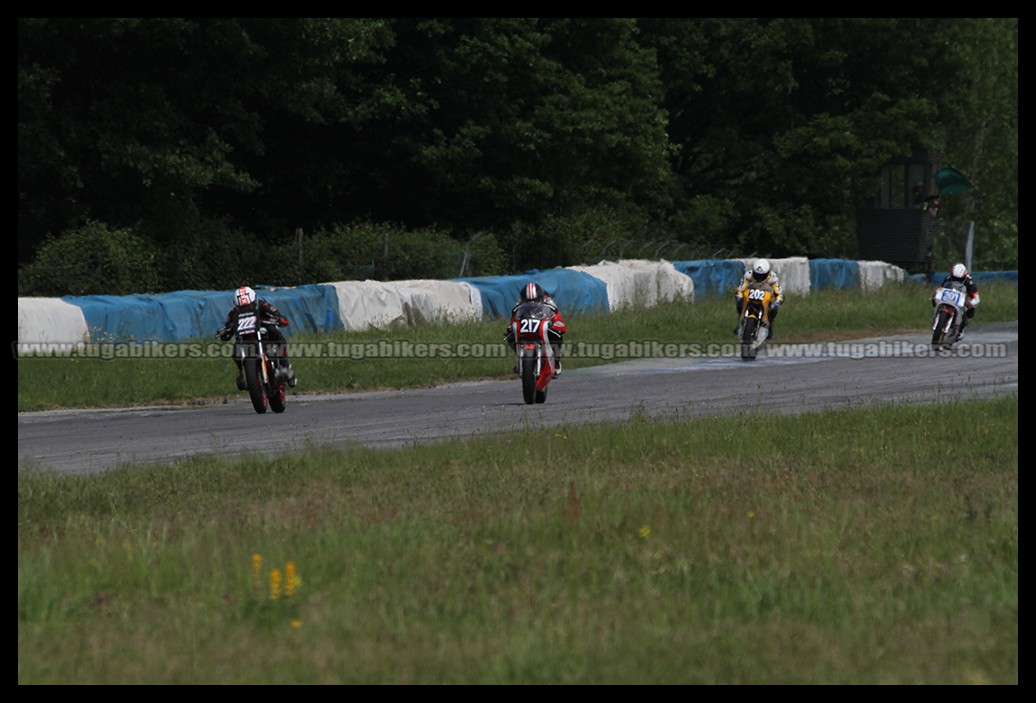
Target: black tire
254 380
275 394
529 376
938 334
748 338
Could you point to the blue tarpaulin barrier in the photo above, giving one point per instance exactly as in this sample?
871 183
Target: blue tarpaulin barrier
573 291
833 273
712 277
191 314
310 308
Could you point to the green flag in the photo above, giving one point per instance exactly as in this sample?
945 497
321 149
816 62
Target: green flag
950 181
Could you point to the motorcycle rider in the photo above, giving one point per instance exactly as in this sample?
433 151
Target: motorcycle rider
270 318
960 274
760 272
533 293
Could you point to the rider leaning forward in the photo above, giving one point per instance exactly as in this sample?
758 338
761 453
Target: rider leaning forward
959 274
761 272
270 318
533 293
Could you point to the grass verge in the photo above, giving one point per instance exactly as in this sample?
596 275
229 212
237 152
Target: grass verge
832 548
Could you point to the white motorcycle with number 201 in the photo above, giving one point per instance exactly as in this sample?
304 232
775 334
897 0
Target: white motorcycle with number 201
951 304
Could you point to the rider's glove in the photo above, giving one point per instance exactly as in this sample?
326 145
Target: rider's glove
222 333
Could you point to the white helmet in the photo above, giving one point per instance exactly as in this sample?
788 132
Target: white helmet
244 297
761 270
959 271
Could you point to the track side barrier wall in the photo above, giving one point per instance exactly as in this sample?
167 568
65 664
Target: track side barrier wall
637 282
361 305
573 291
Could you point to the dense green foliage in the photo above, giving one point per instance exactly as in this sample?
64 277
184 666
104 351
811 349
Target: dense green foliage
232 146
860 548
79 258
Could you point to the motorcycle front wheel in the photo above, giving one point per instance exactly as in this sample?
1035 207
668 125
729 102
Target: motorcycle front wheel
254 379
529 376
942 320
748 329
275 392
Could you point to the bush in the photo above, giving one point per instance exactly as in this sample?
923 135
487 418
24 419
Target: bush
220 257
582 238
386 252
91 260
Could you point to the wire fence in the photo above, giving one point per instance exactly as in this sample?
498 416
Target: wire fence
594 251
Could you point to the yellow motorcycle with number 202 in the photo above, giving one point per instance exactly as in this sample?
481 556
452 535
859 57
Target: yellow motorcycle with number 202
754 325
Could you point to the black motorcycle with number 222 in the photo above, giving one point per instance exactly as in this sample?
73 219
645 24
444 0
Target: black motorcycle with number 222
265 386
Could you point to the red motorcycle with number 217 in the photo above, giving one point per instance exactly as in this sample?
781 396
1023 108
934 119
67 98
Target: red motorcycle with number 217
535 360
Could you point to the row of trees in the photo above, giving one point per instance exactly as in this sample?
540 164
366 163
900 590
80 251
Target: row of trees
198 153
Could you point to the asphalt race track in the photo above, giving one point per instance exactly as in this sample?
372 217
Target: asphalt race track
785 379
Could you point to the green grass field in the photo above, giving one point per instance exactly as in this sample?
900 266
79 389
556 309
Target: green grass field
862 547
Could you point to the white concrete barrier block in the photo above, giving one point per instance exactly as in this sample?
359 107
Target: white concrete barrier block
50 324
640 283
875 274
432 301
365 305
